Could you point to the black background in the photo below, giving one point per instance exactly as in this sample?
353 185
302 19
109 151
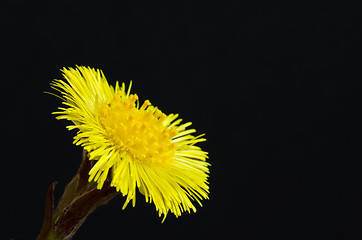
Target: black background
275 85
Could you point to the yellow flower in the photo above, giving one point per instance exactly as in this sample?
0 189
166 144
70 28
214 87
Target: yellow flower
134 146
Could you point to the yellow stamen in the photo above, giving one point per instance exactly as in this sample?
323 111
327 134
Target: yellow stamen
140 132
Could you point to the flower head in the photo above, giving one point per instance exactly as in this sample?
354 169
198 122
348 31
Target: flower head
134 146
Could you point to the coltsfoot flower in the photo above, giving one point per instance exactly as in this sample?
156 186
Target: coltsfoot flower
134 146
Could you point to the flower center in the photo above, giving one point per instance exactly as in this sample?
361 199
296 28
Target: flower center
140 132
